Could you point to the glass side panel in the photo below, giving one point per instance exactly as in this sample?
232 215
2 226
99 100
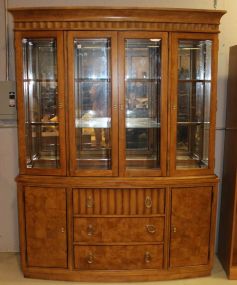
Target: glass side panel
194 93
41 110
143 87
93 103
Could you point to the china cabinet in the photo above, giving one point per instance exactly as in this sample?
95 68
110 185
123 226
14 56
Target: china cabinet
227 250
116 116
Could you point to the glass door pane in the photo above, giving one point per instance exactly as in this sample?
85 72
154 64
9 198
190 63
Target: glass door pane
92 93
143 89
41 102
193 111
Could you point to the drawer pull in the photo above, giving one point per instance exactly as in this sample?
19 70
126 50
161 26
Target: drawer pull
90 258
90 230
148 202
90 202
147 257
151 229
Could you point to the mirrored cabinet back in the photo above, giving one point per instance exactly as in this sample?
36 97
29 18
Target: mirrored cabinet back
116 123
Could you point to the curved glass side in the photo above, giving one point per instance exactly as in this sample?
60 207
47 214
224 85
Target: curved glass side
193 110
40 99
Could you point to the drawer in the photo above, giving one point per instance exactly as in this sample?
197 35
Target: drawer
119 229
114 257
118 201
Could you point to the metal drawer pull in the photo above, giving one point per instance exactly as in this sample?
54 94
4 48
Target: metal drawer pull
151 229
90 230
90 202
148 202
147 257
90 258
174 229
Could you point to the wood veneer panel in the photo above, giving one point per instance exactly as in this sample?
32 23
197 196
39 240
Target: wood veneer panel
119 229
119 257
191 210
46 230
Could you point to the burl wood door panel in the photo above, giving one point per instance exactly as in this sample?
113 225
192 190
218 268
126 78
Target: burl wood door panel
118 201
115 257
119 229
190 226
45 217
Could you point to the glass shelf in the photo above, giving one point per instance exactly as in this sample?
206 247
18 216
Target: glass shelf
93 123
92 80
43 123
194 80
152 80
141 123
193 123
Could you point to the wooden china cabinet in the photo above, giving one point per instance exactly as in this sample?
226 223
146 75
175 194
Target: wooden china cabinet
116 113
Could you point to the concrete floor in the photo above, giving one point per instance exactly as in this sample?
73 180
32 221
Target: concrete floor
10 274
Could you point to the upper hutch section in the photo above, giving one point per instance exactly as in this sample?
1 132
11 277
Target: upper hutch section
101 18
138 98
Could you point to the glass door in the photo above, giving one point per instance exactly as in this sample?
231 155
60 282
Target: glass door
143 77
40 102
92 94
193 103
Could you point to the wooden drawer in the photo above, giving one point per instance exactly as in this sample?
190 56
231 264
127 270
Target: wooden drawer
118 201
119 229
118 257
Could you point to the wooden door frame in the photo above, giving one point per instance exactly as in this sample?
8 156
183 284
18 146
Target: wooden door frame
21 107
112 35
173 99
122 106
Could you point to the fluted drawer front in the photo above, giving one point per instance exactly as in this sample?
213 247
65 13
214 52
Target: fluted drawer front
118 201
119 229
118 257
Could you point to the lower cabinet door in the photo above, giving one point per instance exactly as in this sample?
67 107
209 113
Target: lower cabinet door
190 226
115 257
45 220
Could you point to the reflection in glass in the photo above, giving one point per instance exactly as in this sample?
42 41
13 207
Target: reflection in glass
194 93
40 95
93 103
142 86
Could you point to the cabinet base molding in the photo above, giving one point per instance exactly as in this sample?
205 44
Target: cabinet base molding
115 276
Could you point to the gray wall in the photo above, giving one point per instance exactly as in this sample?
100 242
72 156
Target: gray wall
8 146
